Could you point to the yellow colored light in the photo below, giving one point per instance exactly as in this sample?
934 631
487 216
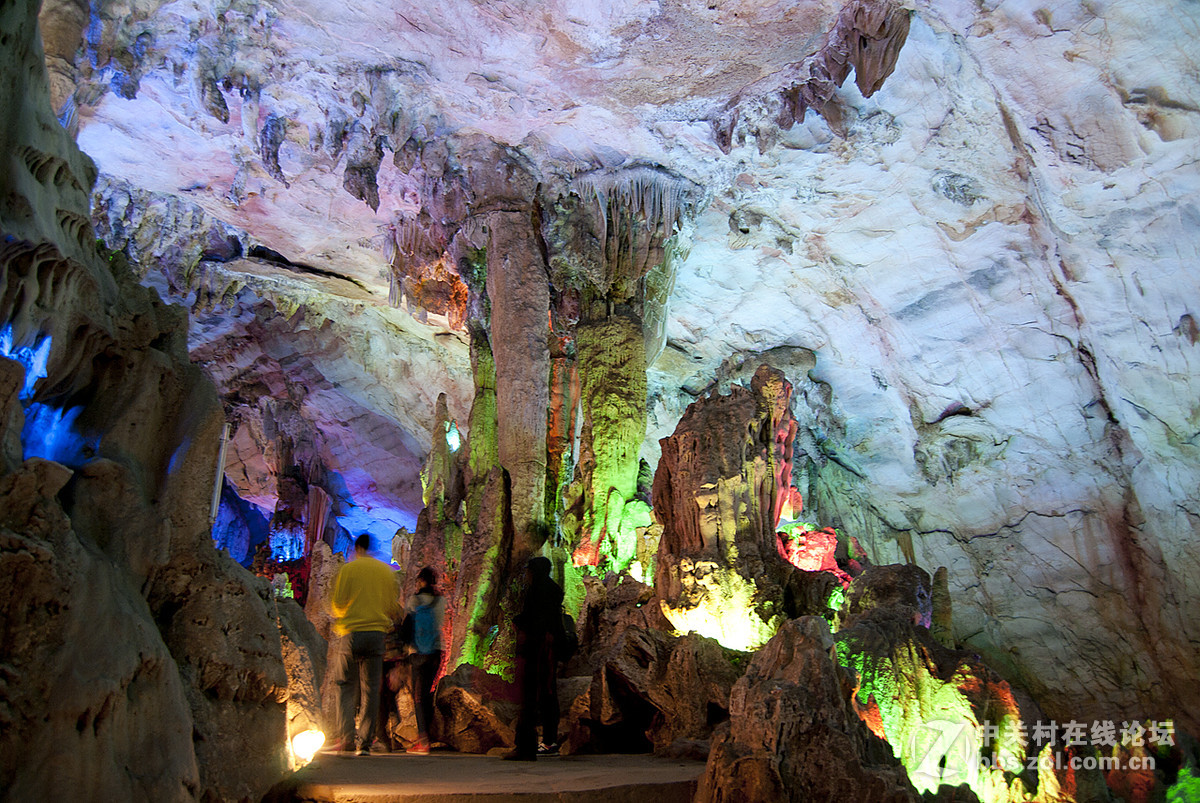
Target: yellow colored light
305 745
722 607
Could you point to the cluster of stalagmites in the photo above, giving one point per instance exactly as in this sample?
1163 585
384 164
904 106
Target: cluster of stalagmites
841 687
636 685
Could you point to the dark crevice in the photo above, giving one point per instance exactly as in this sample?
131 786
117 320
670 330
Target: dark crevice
955 408
265 254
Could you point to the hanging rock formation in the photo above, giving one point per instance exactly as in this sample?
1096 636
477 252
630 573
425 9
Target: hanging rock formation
867 37
614 242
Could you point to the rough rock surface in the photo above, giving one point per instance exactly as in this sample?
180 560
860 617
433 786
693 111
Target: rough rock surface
896 587
1001 383
83 674
304 652
653 691
907 686
718 491
468 726
794 733
520 309
139 663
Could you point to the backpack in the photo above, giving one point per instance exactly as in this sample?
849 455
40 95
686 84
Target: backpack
566 642
424 629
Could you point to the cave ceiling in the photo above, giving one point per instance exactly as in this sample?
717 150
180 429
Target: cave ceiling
191 94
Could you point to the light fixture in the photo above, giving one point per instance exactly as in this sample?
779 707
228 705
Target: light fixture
306 744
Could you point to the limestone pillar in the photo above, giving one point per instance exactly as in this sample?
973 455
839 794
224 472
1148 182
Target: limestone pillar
520 299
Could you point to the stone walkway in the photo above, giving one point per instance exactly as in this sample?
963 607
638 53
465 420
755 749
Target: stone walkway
458 778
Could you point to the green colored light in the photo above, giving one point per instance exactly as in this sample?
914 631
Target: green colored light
930 724
1186 788
833 606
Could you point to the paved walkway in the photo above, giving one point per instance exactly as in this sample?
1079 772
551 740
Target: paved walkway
458 778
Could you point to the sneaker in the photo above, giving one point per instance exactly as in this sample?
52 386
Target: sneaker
363 751
420 748
547 749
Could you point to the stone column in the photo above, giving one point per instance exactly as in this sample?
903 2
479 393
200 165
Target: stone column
520 298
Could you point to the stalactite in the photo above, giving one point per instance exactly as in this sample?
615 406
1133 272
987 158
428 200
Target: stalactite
867 35
645 196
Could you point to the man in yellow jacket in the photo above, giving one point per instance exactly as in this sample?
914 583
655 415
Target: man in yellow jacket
365 600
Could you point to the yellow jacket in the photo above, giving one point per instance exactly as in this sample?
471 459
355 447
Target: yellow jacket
365 596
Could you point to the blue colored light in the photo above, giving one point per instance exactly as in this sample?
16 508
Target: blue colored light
378 521
50 433
34 358
240 526
177 456
287 544
453 439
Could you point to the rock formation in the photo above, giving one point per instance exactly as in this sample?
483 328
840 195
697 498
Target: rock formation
655 691
793 733
718 491
139 662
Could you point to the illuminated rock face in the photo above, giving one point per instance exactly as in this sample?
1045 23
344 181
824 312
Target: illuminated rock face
987 260
309 375
139 662
717 493
1001 320
933 706
794 734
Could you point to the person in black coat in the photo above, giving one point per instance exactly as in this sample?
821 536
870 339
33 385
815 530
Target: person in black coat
538 625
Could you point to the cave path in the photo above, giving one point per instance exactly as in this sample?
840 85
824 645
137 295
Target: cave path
458 778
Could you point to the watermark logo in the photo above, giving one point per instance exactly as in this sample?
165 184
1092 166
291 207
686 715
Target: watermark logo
942 752
955 752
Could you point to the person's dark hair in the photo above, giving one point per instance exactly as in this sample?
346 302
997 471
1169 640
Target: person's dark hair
428 576
539 566
363 542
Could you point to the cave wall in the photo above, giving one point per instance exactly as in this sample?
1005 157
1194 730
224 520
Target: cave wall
990 267
139 663
317 381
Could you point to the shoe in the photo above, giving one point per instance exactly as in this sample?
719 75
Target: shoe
363 751
547 749
420 749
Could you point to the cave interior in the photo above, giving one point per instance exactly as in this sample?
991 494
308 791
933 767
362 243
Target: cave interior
835 353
